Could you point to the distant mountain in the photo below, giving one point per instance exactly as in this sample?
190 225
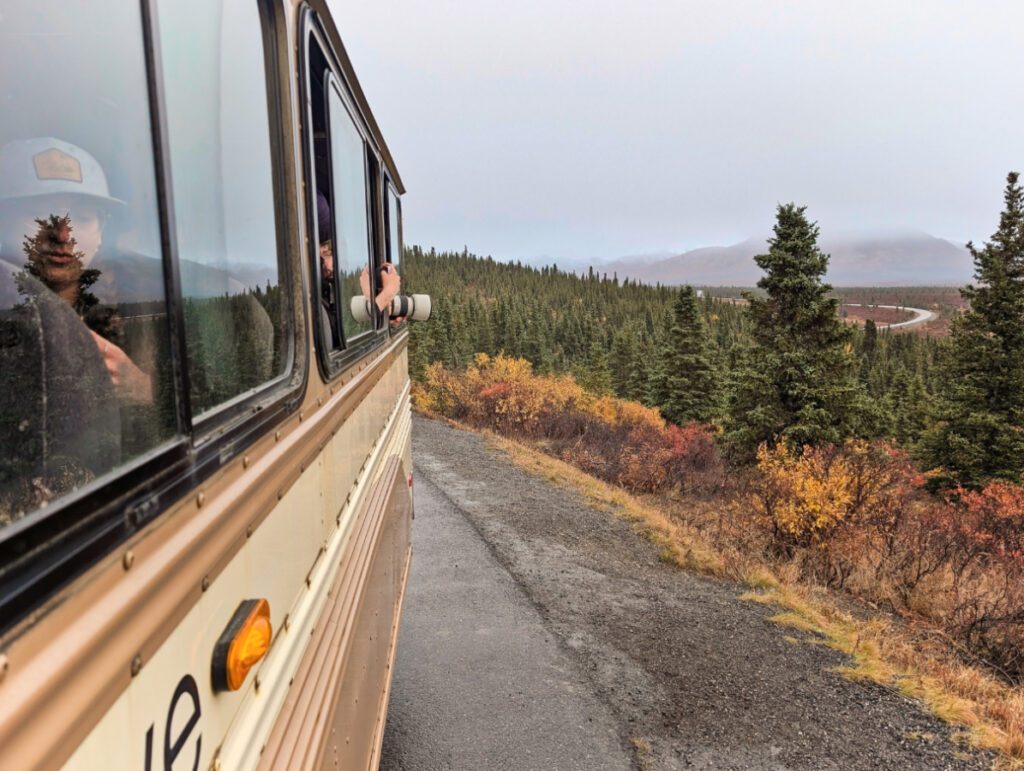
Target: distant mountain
135 278
903 259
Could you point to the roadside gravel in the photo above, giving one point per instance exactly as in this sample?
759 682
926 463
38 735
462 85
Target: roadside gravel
693 676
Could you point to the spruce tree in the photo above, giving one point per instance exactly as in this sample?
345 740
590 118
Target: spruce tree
621 360
638 386
798 382
692 390
979 432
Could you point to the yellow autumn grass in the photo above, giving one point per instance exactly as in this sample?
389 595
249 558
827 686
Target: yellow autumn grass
918 665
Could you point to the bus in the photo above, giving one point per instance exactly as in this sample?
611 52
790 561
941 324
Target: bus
206 479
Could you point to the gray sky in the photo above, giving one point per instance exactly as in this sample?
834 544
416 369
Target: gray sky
572 130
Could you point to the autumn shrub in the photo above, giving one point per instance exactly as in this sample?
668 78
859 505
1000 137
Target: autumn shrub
859 518
500 393
987 533
806 497
614 439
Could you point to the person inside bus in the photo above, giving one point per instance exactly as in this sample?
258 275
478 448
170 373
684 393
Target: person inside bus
60 421
328 304
54 203
390 281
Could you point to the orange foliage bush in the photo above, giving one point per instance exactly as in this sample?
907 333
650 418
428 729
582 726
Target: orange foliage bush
616 440
805 497
858 518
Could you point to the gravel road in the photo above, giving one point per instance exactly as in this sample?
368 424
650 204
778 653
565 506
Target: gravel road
541 633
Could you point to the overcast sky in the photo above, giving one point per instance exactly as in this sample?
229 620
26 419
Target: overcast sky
577 130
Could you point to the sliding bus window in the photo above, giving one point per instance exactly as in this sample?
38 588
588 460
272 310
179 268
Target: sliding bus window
236 308
394 224
85 378
351 242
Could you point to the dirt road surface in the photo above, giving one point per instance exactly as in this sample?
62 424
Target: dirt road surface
540 633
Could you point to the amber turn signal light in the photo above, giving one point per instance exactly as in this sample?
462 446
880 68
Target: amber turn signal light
244 642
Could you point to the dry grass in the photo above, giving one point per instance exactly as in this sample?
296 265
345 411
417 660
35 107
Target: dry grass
917 663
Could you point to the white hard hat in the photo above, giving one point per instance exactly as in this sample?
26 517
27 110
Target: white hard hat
30 168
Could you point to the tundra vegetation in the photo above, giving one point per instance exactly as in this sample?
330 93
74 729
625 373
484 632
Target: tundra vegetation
792 450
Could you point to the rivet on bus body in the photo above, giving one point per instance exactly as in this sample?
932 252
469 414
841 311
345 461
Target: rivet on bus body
200 498
277 436
216 764
248 532
319 401
205 583
5 664
280 494
246 461
136 664
129 559
256 683
302 415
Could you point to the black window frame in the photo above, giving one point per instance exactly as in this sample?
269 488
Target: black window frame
389 189
48 549
335 361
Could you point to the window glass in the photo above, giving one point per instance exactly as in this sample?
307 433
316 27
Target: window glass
394 218
85 381
351 224
219 135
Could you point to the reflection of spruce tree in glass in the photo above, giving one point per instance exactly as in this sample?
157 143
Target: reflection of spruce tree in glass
231 347
54 259
979 433
350 287
798 383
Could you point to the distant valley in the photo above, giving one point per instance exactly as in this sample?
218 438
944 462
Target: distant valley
903 259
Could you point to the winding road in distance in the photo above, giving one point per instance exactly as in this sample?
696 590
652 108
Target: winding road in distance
921 316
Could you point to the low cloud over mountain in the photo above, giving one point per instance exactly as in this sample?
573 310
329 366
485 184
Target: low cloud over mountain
904 259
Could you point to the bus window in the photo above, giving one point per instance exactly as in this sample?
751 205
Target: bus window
351 217
394 237
235 307
85 384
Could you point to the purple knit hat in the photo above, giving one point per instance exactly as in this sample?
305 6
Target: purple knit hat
323 217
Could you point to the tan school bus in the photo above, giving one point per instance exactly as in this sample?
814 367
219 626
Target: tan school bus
205 479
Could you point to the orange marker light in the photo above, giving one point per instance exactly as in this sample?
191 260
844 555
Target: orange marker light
243 643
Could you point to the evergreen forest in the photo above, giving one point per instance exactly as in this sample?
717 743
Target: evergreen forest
781 366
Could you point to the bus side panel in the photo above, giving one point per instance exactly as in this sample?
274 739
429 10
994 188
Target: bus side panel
358 719
318 533
334 713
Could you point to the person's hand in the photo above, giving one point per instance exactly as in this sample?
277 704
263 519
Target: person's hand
128 379
390 285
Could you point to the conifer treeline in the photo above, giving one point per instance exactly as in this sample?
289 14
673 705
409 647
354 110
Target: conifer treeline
783 368
662 346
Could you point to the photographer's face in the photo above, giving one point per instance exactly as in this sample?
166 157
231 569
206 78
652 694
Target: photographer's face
326 261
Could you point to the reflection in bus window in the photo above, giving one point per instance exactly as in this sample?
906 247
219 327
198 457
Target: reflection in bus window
84 353
351 224
219 131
